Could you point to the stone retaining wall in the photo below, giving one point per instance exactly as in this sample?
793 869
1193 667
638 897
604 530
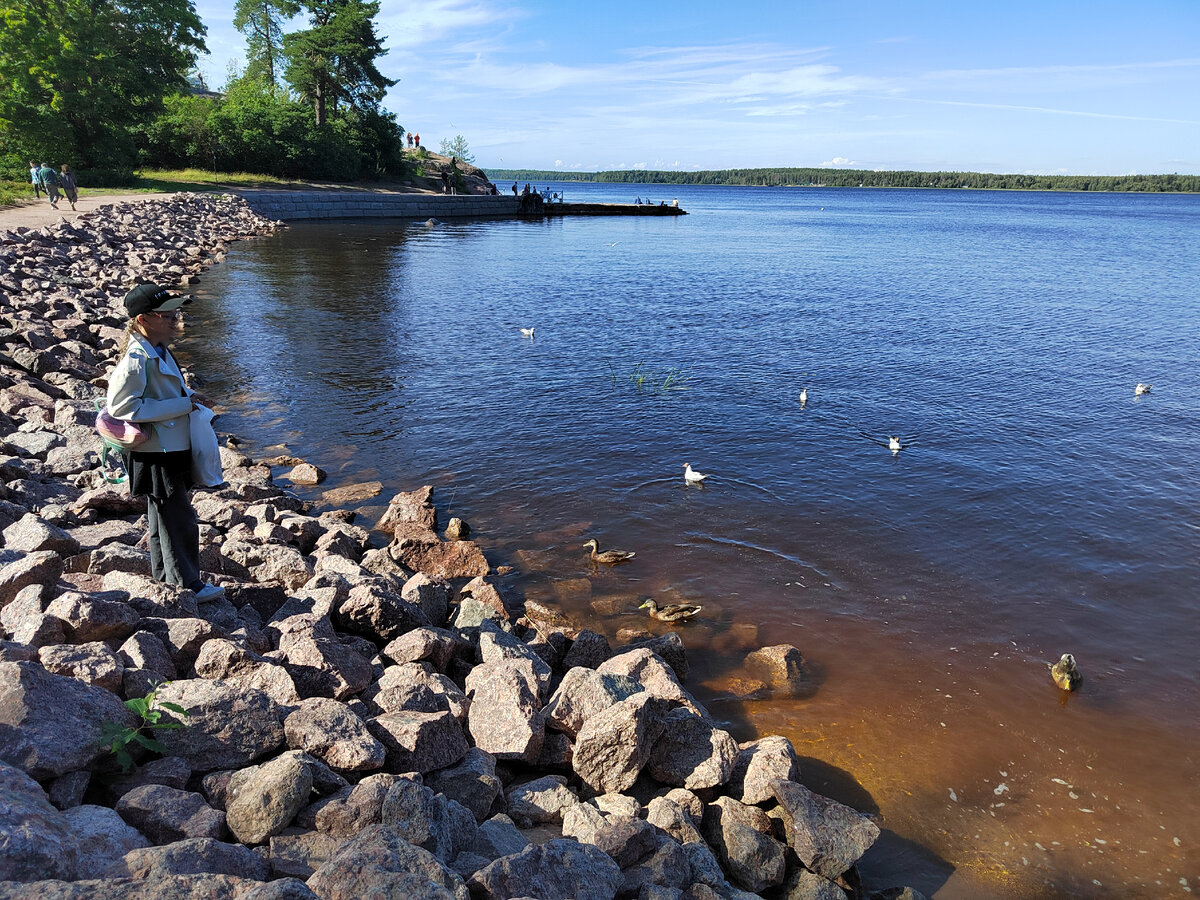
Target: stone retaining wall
299 205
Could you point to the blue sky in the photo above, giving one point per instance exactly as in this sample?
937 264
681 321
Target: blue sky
1047 87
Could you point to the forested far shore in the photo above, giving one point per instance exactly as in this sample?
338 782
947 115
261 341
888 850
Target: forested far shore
863 178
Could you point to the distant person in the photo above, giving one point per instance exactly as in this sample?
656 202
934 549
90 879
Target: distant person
409 136
33 177
70 188
515 192
675 202
525 191
417 140
49 180
445 182
638 201
454 175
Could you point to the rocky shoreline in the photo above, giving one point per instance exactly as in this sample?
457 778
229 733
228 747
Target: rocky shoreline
361 720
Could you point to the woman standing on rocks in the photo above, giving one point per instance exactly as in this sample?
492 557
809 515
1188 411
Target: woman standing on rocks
147 387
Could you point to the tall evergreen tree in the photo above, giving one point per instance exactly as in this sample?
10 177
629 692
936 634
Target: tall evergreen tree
261 21
333 62
77 75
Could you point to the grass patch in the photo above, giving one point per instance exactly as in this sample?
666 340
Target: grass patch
644 380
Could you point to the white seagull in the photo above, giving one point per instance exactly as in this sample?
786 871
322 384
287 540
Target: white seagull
527 332
893 443
691 476
1142 388
803 396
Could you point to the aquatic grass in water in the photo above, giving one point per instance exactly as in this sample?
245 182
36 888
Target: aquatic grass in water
644 380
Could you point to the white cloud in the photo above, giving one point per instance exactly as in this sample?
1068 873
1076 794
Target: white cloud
837 162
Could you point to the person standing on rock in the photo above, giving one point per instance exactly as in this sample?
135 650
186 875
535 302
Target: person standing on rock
49 180
70 188
33 176
146 387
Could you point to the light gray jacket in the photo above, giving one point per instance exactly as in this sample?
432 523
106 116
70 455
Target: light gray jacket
145 389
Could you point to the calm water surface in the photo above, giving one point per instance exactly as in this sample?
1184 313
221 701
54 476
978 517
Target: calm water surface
1041 508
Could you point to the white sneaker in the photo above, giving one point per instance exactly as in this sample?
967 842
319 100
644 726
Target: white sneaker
210 592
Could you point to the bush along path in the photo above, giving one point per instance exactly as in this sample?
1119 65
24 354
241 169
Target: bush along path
351 719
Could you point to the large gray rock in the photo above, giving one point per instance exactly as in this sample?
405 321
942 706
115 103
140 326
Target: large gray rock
614 745
782 667
691 753
379 614
350 810
498 837
298 853
191 856
46 746
540 801
333 733
43 567
319 663
471 782
758 764
829 837
582 821
92 663
92 618
505 718
166 814
653 674
666 814
263 800
497 645
753 859
378 862
35 838
171 887
431 595
227 727
805 885
667 865
626 839
415 686
419 741
583 693
438 646
558 868
103 837
441 826
32 535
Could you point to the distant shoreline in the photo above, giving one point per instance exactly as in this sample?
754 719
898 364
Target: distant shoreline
826 178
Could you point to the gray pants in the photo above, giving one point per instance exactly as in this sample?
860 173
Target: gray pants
174 540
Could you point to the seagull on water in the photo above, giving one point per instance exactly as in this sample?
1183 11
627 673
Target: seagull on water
527 332
803 397
1142 389
893 443
691 476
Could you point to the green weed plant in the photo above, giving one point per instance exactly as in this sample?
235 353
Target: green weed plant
646 381
149 709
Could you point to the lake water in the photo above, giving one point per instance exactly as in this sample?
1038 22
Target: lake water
1040 507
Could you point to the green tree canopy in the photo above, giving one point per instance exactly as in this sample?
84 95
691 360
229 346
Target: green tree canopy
76 76
333 62
457 146
261 21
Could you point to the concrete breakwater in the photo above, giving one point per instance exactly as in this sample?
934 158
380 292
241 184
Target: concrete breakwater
366 714
295 205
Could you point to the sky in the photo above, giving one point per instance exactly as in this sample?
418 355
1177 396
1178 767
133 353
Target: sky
1048 87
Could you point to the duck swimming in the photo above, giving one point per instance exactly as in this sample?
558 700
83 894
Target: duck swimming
609 557
527 332
691 476
676 612
1142 389
1065 673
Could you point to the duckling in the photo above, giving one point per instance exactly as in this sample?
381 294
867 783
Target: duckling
527 332
609 557
691 476
1065 673
1142 389
676 612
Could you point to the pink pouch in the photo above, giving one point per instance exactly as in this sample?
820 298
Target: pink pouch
125 435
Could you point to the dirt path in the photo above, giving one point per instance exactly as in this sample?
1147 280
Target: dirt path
36 214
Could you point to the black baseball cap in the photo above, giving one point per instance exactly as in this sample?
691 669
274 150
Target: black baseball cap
146 298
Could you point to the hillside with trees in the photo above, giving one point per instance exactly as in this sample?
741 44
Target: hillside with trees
864 178
111 88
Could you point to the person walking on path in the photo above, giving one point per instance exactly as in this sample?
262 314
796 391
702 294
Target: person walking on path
70 188
49 180
146 387
33 176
